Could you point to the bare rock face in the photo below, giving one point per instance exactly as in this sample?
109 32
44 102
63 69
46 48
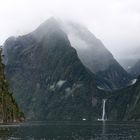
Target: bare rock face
124 104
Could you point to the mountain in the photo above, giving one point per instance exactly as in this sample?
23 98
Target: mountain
130 57
48 79
124 104
9 110
131 61
94 55
135 70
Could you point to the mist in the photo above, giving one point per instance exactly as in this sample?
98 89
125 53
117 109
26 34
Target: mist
114 22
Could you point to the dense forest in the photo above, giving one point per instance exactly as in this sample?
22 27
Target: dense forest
9 110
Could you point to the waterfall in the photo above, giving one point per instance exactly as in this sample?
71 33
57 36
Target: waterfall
103 112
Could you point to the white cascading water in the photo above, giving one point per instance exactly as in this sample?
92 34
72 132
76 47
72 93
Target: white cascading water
103 114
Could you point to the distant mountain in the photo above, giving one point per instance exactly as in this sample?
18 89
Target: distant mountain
134 63
48 78
9 110
130 58
109 73
135 70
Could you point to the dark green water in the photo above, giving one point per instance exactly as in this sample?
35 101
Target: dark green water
71 131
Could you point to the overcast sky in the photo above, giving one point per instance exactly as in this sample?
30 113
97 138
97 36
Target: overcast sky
115 22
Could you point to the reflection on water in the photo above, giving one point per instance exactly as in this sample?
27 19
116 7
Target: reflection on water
103 130
71 131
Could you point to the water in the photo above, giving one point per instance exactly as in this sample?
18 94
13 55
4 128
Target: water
71 131
103 115
103 112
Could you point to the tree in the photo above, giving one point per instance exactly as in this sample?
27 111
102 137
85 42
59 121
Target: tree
9 109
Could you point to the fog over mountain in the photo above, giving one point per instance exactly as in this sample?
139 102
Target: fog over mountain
116 23
131 58
96 57
89 48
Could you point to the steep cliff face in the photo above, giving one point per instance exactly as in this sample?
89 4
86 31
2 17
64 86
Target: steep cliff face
9 110
48 78
113 78
124 104
95 56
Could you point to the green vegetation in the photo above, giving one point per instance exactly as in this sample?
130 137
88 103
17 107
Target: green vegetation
9 110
